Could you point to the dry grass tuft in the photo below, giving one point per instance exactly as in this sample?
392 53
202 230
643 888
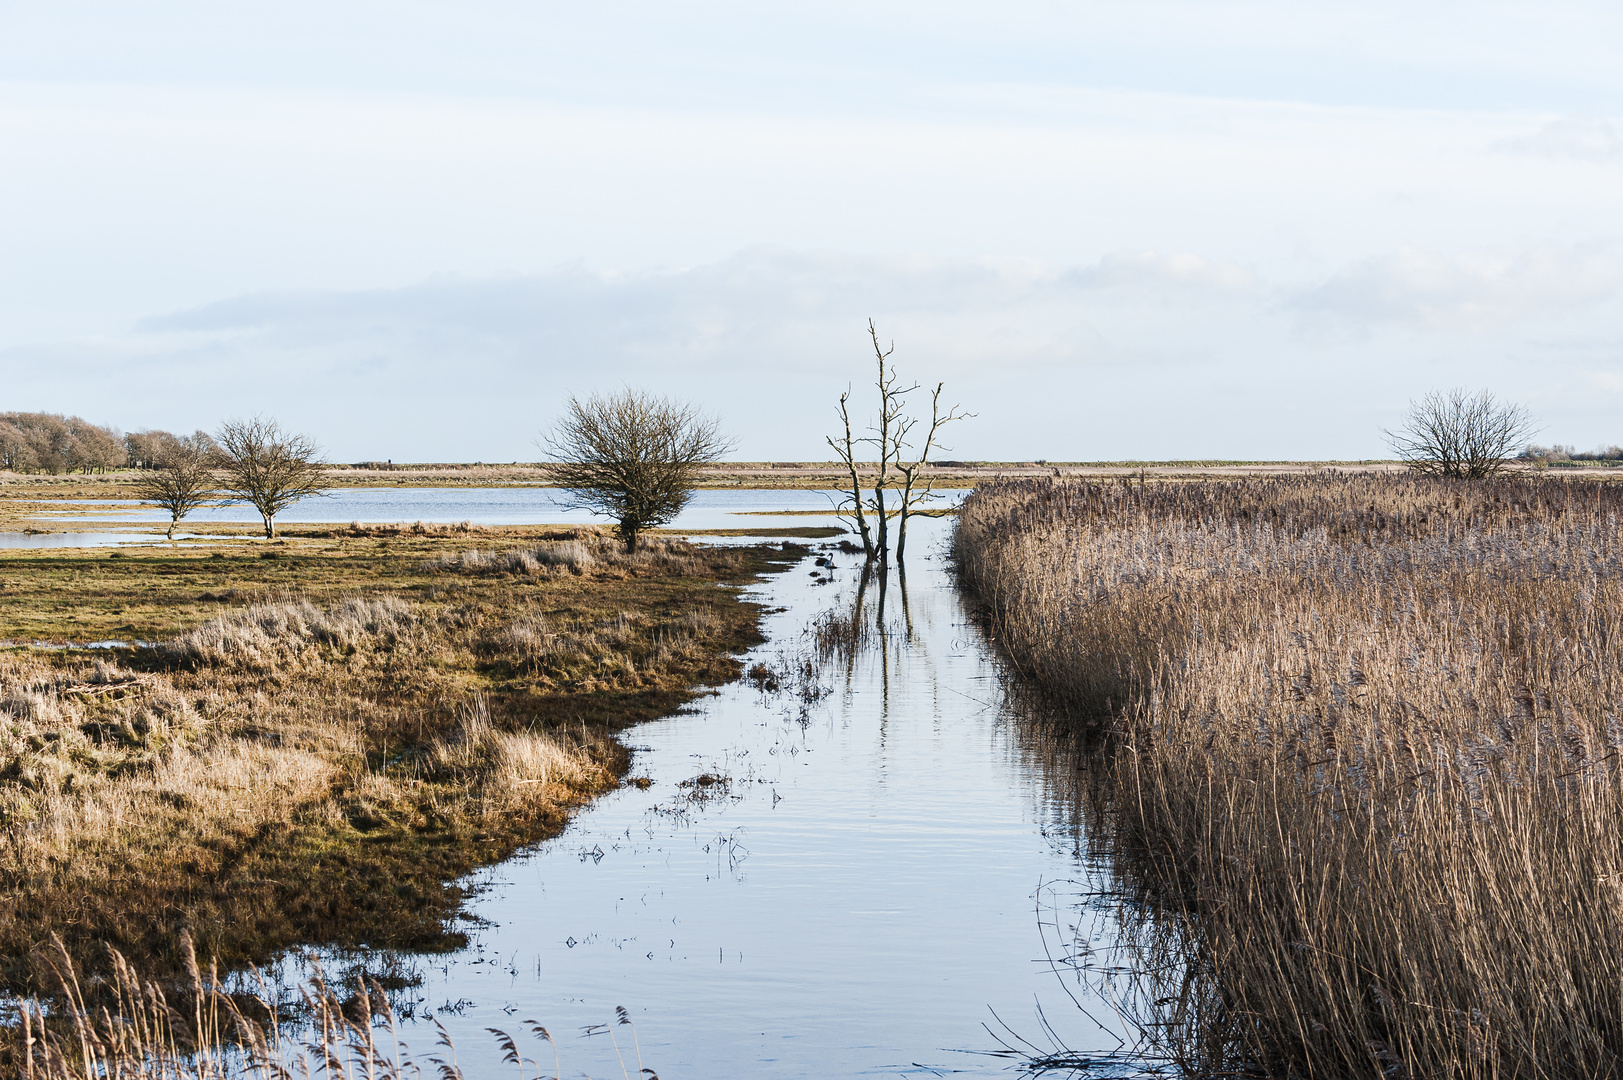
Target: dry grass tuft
1366 762
513 769
592 550
270 635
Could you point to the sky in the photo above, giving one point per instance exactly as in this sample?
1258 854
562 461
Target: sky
1147 229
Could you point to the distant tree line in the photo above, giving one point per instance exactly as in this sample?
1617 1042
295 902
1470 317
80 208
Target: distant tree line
1571 453
53 443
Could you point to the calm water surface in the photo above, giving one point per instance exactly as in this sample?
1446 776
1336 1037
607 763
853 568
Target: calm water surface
709 509
740 508
856 900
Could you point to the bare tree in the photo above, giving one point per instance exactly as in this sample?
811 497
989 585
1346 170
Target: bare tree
891 436
17 452
916 478
92 448
268 468
53 443
147 448
180 478
631 456
846 448
1460 434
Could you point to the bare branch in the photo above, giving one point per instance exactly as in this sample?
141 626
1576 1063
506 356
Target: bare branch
178 475
268 468
893 437
1460 434
632 456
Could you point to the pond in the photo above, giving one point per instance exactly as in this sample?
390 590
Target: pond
734 508
868 875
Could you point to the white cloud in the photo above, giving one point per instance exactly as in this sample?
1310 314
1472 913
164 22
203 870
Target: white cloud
1585 139
1425 288
1135 353
1182 275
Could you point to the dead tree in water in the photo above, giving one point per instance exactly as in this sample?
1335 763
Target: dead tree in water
896 469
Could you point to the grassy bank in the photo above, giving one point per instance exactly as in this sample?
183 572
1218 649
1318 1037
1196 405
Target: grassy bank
323 734
1363 757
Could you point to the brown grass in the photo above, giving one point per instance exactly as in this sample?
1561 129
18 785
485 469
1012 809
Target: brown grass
1364 757
300 768
200 1029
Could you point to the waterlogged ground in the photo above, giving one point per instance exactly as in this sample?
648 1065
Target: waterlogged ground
731 509
709 509
840 887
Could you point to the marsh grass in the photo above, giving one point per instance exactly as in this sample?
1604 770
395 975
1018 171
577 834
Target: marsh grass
199 1029
1362 782
320 767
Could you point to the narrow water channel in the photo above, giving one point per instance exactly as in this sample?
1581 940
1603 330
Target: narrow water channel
853 892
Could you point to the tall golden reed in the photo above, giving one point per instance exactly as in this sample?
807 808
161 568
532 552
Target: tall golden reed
1363 757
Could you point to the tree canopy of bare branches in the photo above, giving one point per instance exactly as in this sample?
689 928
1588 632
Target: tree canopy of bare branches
268 468
1460 434
902 465
631 456
180 476
53 443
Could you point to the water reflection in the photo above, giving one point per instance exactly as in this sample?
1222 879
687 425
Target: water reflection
853 891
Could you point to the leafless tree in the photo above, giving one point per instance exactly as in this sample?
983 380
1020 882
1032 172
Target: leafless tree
631 456
1460 434
181 478
846 448
146 448
53 443
268 468
17 453
916 478
897 468
92 448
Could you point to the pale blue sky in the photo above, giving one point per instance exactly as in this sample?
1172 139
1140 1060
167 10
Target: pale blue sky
1128 229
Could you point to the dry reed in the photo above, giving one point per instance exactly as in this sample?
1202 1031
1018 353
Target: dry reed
199 1029
1364 761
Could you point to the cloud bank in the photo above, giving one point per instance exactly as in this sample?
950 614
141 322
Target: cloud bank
1136 354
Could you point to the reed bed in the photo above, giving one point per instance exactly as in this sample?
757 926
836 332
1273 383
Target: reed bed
200 1029
1362 769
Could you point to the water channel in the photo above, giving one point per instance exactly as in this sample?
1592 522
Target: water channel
859 895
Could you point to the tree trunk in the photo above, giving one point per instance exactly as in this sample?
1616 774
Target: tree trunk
170 535
882 526
270 527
